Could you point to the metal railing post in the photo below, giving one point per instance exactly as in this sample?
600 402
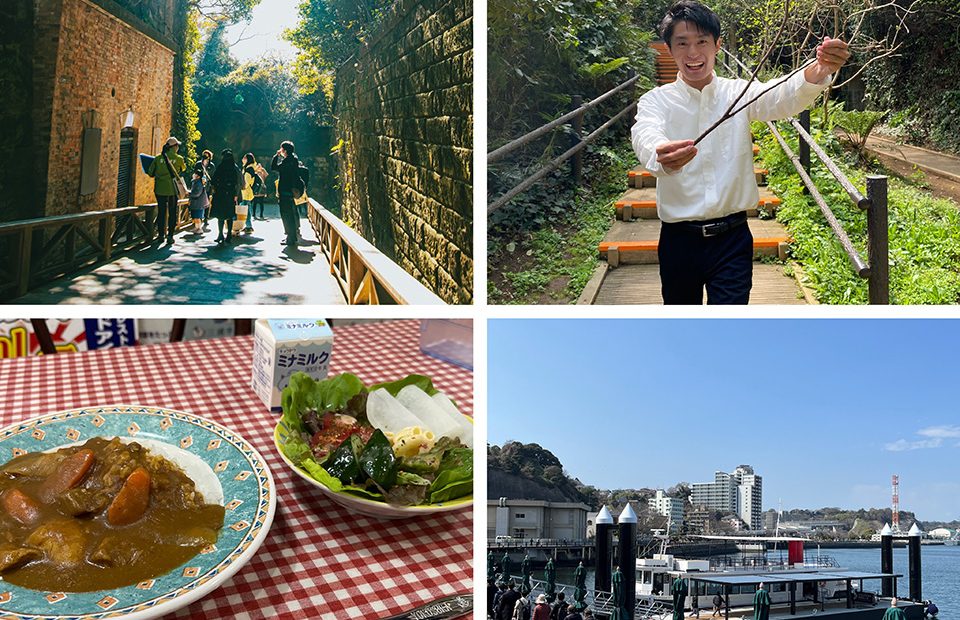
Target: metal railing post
878 240
577 163
804 147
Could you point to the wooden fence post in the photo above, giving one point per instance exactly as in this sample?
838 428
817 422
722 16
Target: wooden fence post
577 165
26 258
877 238
804 147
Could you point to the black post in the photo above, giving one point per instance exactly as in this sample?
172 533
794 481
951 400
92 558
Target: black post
604 523
577 130
914 561
886 561
726 602
793 598
804 147
627 558
877 235
849 595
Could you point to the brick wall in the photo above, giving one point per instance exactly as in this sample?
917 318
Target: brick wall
103 64
16 95
405 112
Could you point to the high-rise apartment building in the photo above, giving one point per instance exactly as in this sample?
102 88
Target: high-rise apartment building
739 492
670 507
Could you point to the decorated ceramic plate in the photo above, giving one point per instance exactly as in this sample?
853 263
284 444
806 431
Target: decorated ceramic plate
229 470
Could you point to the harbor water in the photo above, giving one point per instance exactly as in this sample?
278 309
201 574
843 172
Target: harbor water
941 572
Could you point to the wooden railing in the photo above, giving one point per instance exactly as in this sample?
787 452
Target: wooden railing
365 274
874 204
44 249
580 142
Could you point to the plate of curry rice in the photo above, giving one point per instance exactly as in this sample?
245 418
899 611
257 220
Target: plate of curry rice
125 511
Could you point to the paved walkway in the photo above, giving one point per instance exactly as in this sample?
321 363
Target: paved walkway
929 161
253 269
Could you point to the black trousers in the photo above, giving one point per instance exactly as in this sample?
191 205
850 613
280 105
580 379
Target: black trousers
290 217
166 216
689 262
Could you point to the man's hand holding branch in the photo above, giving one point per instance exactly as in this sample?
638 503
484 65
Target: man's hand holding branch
831 55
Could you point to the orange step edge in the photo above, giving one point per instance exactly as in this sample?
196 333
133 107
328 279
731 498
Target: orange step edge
636 204
650 246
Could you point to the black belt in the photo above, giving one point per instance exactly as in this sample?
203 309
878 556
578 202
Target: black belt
711 228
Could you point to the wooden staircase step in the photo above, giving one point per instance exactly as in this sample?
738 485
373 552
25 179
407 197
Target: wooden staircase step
641 177
642 203
640 284
637 242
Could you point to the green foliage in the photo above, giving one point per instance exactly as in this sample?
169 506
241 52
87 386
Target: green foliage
924 233
550 257
240 104
331 31
188 113
856 127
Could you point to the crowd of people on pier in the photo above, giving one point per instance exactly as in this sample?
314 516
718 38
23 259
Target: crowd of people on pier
230 193
506 602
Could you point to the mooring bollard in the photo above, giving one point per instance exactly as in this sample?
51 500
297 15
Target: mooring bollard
913 545
604 532
886 560
627 557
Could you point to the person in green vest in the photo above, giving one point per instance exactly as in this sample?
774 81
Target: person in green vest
679 591
761 604
894 613
165 169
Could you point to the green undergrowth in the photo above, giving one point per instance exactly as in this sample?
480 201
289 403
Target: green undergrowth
552 260
924 231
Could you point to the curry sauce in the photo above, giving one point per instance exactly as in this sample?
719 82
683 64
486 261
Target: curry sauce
98 516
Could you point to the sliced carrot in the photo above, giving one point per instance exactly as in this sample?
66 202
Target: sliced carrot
68 475
20 506
132 500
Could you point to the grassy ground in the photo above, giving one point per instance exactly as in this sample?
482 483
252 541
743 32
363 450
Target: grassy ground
553 262
924 231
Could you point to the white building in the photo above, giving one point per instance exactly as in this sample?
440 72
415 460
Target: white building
670 507
529 518
740 492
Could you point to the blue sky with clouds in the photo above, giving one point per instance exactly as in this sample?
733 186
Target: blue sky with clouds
825 410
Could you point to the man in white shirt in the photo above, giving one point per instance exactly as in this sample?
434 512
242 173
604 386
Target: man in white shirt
704 191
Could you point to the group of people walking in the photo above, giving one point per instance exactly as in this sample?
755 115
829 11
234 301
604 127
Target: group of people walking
504 602
230 193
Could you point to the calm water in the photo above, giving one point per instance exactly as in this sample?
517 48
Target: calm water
941 573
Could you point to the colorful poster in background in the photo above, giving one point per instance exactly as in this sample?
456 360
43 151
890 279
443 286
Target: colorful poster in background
155 331
17 338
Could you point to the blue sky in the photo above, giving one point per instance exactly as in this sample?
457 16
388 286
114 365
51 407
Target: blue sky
262 35
825 410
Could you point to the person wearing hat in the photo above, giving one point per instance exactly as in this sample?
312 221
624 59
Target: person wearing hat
542 610
166 169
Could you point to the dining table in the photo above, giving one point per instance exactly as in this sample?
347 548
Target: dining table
319 559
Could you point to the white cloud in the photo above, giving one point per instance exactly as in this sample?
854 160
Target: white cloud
902 445
944 431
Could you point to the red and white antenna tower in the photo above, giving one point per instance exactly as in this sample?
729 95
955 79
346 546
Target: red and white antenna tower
895 518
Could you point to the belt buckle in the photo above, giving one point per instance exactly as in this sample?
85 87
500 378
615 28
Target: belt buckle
712 230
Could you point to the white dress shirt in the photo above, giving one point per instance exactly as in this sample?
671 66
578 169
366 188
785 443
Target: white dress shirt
719 180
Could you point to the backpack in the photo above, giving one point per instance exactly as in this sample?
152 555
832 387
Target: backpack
257 181
302 182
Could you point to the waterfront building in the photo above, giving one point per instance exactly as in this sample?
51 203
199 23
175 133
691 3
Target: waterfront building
739 492
530 518
670 507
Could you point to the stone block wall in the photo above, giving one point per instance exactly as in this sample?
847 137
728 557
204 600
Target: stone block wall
404 109
104 67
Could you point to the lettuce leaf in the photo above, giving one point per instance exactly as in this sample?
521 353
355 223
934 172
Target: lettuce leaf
394 387
455 476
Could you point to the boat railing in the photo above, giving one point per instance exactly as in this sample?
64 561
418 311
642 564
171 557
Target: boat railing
600 601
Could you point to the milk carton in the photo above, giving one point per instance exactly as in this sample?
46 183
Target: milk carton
282 347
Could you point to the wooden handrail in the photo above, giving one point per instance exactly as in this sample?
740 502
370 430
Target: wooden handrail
36 255
361 269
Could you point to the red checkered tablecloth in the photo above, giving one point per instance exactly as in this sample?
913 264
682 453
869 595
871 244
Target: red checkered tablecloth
319 560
